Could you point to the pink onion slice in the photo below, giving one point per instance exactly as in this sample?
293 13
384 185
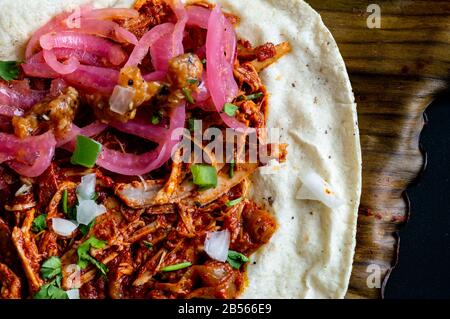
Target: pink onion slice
85 42
147 40
68 142
62 68
82 56
94 79
10 111
55 23
138 128
130 164
220 43
90 78
19 95
106 29
171 46
57 87
30 156
155 76
39 70
125 36
198 16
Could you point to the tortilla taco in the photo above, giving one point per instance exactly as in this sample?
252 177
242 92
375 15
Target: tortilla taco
167 149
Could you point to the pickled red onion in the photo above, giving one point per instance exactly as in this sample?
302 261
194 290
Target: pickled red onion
131 164
39 70
19 94
95 79
148 40
155 76
82 56
57 87
55 24
168 47
198 16
68 141
138 128
220 47
106 29
62 68
90 78
10 111
84 42
30 156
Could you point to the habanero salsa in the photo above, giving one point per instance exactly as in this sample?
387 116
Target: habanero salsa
94 203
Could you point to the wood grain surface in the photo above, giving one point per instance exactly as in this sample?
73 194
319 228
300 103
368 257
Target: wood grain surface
396 71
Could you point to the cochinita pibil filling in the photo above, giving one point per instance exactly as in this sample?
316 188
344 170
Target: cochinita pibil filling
98 197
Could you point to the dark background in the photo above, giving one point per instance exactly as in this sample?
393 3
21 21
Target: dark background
424 264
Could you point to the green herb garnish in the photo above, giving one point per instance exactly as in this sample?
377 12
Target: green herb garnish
148 244
254 96
204 176
39 223
9 70
232 165
188 95
235 259
85 229
230 109
193 125
204 61
51 291
84 257
86 152
157 117
72 212
193 81
64 201
176 267
51 268
234 202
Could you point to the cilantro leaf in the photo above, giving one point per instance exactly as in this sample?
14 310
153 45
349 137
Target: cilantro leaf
188 95
51 268
84 258
234 202
235 259
50 291
148 244
9 70
39 223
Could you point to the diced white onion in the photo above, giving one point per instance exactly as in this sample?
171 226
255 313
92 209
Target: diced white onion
217 244
73 293
24 189
86 189
272 168
121 99
88 210
315 188
63 227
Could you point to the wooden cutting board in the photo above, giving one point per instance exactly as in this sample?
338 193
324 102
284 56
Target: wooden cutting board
396 71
